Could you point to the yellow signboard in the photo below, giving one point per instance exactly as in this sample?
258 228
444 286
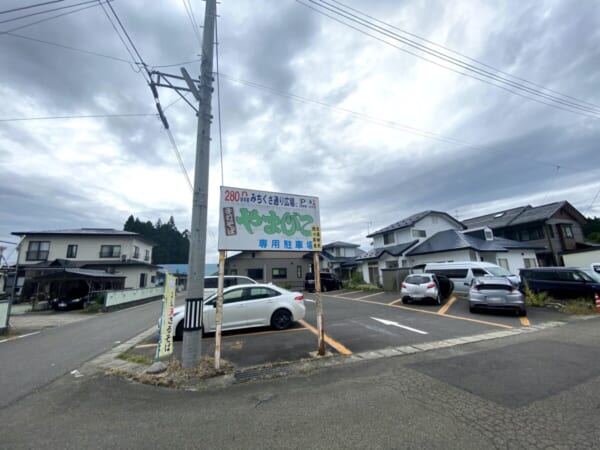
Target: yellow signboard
317 244
165 342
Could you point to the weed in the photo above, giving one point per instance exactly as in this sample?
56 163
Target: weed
138 359
580 306
535 299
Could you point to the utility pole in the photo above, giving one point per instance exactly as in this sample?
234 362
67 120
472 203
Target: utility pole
192 326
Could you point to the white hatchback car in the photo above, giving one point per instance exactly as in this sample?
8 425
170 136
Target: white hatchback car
247 306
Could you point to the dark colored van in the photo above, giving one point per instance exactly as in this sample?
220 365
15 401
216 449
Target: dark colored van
329 282
560 282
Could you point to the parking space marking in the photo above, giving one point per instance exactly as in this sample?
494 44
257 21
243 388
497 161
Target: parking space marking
396 324
447 306
450 316
395 301
370 295
351 292
146 345
339 347
309 300
524 321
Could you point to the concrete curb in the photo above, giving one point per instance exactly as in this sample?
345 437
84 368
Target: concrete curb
109 360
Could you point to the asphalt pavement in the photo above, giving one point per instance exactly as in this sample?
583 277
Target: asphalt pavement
538 389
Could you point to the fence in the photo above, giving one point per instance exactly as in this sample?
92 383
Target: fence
125 297
393 278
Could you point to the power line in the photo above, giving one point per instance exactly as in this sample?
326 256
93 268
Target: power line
463 55
37 13
492 79
378 121
190 13
89 116
7 11
181 164
48 18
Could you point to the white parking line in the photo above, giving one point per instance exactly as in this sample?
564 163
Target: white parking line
19 337
309 300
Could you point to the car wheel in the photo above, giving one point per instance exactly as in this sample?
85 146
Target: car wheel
324 288
472 309
438 299
405 300
281 319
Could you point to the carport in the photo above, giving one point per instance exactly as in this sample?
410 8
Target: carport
61 281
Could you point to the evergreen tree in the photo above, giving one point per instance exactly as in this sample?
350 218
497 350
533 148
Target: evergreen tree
172 247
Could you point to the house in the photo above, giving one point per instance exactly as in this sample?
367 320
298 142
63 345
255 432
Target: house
86 255
553 228
434 236
286 269
391 243
583 258
341 258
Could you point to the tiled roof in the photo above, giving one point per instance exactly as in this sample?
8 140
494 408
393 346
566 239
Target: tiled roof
393 250
340 244
411 220
79 232
455 240
520 215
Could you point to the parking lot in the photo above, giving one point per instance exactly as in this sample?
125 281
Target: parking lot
360 321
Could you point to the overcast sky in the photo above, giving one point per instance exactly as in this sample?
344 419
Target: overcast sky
308 106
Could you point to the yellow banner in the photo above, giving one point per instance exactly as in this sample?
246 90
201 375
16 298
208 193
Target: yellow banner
165 343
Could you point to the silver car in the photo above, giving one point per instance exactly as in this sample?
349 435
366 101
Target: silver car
420 287
247 306
496 293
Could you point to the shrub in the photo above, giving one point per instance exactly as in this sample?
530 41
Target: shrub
535 299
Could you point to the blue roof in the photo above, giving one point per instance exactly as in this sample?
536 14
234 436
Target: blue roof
393 250
411 220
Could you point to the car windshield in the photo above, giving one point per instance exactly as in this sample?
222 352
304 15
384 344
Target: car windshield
499 271
417 279
590 275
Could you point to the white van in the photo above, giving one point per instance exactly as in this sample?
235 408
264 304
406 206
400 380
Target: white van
462 273
211 283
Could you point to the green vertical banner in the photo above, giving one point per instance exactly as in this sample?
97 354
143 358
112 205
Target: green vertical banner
165 337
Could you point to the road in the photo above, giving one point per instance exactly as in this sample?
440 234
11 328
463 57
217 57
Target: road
533 390
30 363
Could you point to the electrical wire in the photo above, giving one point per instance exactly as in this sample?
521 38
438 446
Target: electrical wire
463 55
489 78
47 19
589 208
382 122
190 13
7 11
181 164
89 116
37 13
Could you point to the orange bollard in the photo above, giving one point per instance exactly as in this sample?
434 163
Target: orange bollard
597 300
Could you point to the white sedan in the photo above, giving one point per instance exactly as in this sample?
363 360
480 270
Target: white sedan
247 306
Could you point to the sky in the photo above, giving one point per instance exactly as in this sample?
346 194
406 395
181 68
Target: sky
377 126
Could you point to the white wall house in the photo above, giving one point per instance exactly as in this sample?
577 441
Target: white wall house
433 236
341 258
114 251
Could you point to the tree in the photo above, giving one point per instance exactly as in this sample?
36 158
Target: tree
591 229
172 247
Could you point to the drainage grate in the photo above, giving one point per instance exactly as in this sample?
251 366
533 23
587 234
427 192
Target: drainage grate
266 372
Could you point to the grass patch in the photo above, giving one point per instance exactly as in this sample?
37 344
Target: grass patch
362 287
580 306
138 359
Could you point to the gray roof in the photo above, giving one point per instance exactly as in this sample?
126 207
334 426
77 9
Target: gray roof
85 232
411 220
393 250
522 215
449 240
340 244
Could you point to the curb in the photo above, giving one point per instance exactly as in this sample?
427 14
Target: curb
109 360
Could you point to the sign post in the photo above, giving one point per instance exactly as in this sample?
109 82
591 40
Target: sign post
165 337
251 220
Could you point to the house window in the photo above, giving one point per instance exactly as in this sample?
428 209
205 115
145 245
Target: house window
136 252
434 219
299 271
38 251
551 231
147 255
391 264
405 263
278 272
503 262
419 233
388 238
143 278
337 252
255 274
529 262
568 231
110 251
489 236
71 251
